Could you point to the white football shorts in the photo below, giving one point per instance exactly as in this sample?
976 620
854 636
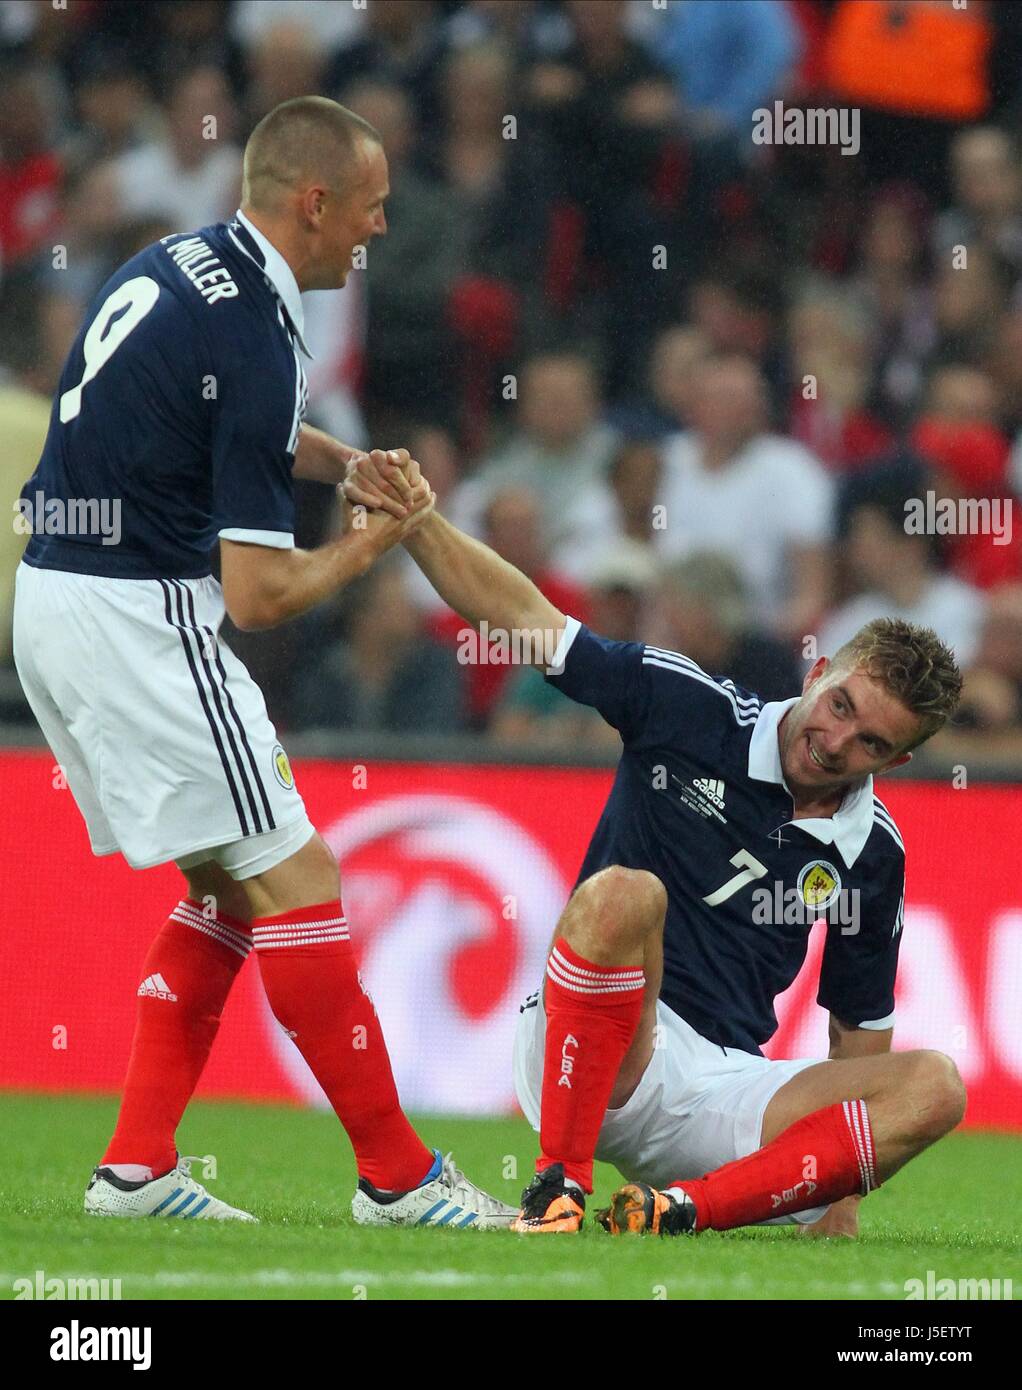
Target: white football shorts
695 1108
160 731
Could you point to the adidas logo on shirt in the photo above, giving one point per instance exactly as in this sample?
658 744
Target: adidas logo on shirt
713 790
156 987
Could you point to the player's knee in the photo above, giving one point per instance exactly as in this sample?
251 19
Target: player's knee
648 897
310 875
620 906
938 1091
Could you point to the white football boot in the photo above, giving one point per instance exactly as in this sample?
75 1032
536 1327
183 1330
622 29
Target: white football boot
444 1198
174 1194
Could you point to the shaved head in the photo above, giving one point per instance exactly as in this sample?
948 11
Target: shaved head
310 140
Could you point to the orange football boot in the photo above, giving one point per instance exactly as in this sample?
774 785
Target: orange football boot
636 1208
549 1205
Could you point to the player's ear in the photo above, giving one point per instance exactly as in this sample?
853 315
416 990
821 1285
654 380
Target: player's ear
899 761
313 202
815 671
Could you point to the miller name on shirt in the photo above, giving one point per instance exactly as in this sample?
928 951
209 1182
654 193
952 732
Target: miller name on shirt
196 261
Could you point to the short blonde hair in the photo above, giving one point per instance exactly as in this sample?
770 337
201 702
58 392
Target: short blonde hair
913 664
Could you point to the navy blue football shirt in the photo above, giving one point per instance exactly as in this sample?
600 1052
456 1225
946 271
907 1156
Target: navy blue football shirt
177 415
699 800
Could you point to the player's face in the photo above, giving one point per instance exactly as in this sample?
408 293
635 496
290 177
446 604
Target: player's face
354 217
846 726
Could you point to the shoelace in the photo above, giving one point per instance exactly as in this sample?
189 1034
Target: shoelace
452 1176
185 1161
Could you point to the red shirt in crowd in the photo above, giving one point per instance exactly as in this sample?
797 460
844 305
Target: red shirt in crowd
29 204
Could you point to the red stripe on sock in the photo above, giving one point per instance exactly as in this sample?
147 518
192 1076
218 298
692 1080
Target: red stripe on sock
592 1013
317 994
173 1036
818 1160
223 917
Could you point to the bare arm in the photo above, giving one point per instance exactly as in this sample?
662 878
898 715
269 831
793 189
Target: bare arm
319 457
264 586
479 585
469 576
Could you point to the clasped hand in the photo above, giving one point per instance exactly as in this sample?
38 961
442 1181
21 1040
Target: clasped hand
388 481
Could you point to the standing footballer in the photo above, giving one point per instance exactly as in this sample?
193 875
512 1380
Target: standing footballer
643 1047
180 411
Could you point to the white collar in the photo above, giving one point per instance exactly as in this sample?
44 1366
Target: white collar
279 274
850 826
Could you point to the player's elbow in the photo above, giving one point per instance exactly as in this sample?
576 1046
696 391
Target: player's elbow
246 619
253 612
254 584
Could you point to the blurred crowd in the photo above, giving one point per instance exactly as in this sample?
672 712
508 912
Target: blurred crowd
691 383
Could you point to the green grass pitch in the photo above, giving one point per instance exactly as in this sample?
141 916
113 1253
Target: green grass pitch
954 1211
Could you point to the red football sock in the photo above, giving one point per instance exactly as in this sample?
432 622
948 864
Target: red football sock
316 993
819 1159
186 979
592 1013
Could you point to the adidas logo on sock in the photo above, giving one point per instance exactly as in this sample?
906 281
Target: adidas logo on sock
156 987
712 789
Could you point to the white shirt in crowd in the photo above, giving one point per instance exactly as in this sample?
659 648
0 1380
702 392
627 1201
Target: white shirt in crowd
335 335
150 183
771 497
952 608
334 25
